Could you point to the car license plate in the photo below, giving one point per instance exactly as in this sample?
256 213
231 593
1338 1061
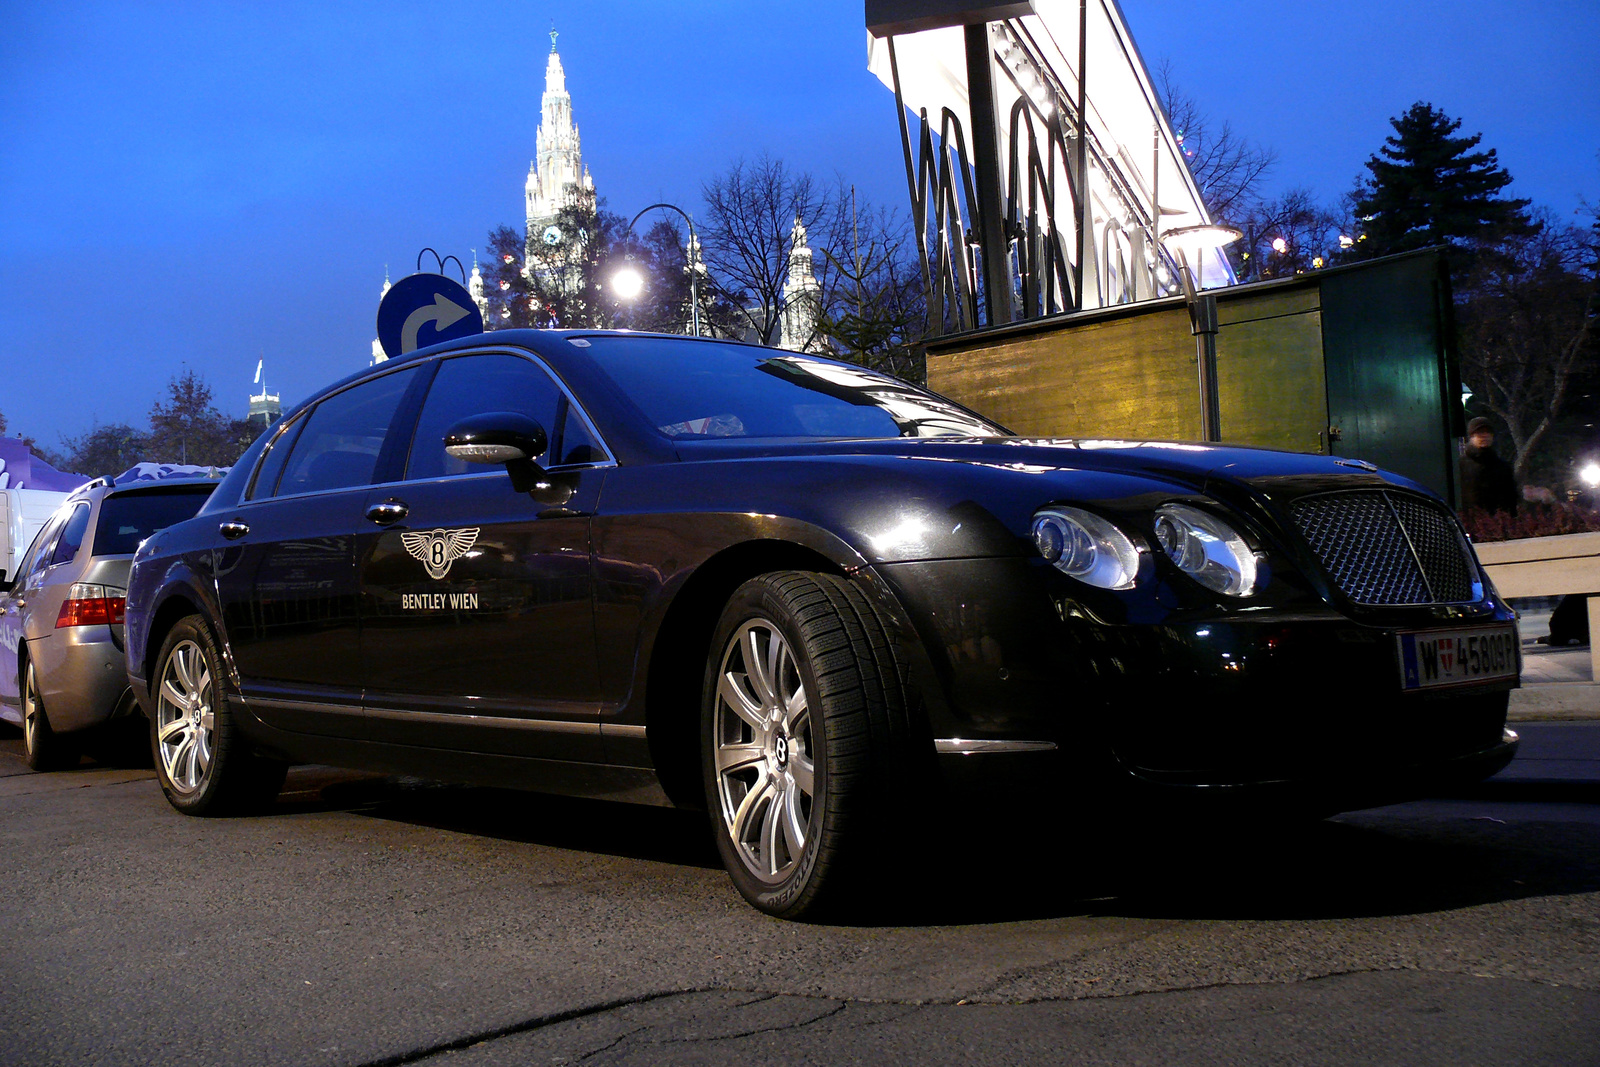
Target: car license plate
1453 657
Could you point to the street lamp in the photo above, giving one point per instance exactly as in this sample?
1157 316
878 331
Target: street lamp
628 282
1202 313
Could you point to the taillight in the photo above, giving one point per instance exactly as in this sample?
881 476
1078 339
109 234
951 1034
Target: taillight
88 604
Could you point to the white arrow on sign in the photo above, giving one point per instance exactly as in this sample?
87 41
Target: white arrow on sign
442 313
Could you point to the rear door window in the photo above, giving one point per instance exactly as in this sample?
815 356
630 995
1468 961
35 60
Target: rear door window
128 519
343 437
38 556
71 538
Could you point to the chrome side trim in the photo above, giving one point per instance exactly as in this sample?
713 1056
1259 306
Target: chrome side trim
303 705
497 722
963 746
437 718
614 730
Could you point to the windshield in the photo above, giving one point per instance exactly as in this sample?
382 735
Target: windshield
127 519
699 390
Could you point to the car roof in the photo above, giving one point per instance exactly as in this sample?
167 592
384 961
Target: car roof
100 488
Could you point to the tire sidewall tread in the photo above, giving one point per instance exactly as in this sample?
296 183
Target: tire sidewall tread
854 684
238 781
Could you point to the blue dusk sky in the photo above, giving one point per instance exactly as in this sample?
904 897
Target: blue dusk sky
206 184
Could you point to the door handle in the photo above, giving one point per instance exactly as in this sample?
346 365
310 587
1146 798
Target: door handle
387 512
233 529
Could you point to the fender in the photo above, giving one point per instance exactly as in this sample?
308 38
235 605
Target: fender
685 546
179 580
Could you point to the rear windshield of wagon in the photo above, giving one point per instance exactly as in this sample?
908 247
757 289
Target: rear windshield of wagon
127 519
697 390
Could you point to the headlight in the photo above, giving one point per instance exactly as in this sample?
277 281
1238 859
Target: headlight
1086 547
1206 549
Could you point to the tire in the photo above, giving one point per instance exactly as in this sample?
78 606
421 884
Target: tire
803 741
44 749
203 761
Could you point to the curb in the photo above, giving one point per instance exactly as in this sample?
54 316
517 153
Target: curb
1555 702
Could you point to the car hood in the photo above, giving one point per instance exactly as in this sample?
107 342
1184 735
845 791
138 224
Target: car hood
1263 473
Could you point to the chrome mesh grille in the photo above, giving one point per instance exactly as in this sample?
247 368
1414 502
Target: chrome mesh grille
1386 548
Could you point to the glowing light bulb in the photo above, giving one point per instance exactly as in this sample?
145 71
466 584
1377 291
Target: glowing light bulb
627 283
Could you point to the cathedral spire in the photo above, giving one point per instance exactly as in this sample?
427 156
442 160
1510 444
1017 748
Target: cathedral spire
802 297
557 176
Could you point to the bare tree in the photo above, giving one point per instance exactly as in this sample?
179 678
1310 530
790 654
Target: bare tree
1287 235
750 213
1227 167
873 308
1529 325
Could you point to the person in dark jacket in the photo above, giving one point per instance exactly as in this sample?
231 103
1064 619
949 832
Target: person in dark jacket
1487 482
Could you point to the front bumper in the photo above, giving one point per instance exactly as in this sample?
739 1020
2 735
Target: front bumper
1186 701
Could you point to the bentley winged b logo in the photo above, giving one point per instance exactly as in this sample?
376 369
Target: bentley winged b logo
438 549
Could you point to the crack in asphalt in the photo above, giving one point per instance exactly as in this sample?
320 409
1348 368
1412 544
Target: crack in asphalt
1016 973
538 1022
797 1025
609 1045
1320 976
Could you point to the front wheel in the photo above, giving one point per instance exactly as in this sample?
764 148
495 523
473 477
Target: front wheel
803 721
203 761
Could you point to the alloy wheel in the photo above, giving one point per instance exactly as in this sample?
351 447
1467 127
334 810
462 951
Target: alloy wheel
185 719
31 711
764 751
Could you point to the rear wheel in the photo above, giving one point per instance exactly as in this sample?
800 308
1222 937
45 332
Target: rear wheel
44 749
803 730
204 763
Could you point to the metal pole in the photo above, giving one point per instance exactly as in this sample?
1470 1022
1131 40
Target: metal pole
1203 324
1085 201
694 275
986 153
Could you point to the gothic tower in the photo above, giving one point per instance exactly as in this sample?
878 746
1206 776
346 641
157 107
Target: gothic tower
557 177
802 297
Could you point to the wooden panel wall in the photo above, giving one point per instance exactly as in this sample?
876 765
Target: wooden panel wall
1270 376
1132 376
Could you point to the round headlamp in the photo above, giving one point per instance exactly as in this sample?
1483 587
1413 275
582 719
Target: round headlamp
1206 549
1086 547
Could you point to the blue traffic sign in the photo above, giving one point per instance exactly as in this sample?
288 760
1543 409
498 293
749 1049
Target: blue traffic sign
423 310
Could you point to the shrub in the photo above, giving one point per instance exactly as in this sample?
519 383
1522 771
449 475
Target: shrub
1531 520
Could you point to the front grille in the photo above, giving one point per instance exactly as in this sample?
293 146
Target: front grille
1381 547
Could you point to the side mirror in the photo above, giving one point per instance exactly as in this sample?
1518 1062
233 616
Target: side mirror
500 437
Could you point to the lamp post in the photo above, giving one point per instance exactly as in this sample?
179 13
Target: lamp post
1202 314
627 282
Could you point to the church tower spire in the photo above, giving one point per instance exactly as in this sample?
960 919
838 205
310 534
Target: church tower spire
802 297
557 176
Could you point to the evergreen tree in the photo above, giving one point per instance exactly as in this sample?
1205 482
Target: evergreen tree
559 283
1430 187
505 283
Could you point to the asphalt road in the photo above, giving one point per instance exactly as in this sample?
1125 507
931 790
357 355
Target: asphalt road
375 921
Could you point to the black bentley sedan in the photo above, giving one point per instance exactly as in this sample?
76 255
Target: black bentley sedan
806 597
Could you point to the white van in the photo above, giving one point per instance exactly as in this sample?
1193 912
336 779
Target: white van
22 513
